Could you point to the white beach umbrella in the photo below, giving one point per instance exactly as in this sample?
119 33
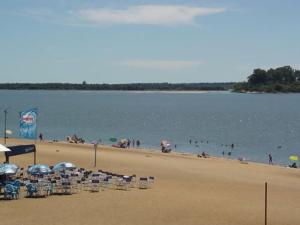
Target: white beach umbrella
9 132
4 149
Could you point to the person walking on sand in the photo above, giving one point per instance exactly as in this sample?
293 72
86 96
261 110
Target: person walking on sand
41 137
270 159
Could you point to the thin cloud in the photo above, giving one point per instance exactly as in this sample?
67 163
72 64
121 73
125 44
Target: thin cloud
162 64
168 15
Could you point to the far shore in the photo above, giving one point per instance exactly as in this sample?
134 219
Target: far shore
130 91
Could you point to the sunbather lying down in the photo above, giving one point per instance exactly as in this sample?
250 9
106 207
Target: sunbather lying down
203 154
243 160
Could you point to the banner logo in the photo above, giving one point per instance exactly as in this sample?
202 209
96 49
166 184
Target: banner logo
28 127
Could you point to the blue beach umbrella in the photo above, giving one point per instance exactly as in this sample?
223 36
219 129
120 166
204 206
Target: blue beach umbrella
39 169
8 169
64 166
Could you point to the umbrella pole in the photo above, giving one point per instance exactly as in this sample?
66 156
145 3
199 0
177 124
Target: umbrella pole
5 116
95 156
34 158
266 203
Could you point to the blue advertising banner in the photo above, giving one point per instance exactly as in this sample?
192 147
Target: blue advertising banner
28 127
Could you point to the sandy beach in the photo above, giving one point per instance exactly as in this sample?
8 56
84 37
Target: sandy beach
188 190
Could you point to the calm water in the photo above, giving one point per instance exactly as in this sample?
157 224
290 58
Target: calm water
256 123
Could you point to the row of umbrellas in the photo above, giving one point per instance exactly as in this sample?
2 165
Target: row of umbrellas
12 169
45 169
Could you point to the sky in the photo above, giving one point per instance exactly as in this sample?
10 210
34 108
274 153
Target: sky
130 41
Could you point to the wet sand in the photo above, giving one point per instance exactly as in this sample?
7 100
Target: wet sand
187 190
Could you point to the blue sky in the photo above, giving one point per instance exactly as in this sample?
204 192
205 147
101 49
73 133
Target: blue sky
125 41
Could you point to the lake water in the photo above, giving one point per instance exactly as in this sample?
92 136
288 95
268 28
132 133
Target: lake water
257 124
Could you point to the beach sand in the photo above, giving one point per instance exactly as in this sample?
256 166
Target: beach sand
188 190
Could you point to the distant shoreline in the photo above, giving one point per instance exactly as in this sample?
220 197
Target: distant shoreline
195 87
135 91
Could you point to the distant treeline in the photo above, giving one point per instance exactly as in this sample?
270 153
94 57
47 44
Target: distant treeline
125 87
281 79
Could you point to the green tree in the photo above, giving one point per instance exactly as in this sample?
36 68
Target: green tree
259 76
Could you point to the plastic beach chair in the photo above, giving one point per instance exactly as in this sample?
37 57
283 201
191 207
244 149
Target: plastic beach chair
31 189
151 181
120 184
95 186
104 183
75 182
124 183
10 192
143 183
66 187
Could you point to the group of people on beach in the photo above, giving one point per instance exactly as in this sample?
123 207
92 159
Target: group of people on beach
136 143
133 143
75 139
